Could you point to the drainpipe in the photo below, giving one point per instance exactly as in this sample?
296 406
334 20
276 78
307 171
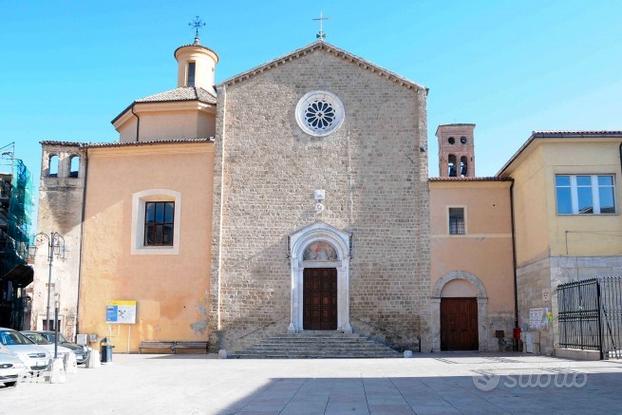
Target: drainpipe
514 255
137 121
86 174
621 157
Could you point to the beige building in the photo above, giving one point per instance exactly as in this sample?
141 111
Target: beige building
567 188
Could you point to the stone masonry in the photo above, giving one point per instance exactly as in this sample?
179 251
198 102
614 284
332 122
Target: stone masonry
542 277
60 210
374 172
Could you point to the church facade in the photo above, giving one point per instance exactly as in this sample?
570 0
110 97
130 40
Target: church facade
288 182
313 195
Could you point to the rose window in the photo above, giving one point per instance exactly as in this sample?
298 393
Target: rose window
319 113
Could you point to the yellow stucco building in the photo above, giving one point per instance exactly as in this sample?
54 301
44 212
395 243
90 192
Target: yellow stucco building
566 194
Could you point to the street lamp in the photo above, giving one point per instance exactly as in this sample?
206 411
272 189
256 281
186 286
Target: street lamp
56 307
56 248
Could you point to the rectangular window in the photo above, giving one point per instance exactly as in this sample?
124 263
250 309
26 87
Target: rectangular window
191 70
456 221
585 194
159 221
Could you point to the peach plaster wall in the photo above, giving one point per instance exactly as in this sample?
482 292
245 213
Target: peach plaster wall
171 290
481 258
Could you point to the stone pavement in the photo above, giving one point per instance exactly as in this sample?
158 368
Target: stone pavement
445 383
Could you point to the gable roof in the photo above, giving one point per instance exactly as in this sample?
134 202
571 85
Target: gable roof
322 45
557 134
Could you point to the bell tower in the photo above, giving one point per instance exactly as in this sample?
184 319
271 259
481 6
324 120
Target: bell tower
456 150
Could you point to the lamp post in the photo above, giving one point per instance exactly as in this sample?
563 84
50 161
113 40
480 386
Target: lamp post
56 307
56 248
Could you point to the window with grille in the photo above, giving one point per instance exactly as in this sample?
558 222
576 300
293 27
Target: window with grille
159 223
456 221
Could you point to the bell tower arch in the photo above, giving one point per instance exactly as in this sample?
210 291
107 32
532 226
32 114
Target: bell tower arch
456 150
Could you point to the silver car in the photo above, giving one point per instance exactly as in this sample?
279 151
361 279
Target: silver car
35 357
11 368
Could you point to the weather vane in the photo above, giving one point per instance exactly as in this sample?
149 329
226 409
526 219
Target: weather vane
321 34
197 23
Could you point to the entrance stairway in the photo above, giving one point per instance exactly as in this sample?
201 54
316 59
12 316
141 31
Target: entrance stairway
317 345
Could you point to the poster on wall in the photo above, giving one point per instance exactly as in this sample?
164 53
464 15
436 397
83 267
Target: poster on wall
537 319
121 312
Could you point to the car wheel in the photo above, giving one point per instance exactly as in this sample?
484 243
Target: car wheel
11 384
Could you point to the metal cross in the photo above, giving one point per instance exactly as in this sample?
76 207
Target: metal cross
197 23
321 34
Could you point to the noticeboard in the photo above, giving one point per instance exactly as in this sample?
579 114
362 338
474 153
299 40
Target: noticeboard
121 312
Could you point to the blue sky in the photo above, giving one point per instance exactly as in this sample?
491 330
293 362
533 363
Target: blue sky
509 66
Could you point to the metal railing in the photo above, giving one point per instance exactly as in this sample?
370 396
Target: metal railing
611 316
590 315
579 317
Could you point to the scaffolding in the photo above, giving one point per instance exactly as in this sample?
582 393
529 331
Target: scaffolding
15 235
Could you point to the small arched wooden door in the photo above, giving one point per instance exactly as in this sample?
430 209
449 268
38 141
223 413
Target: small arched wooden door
459 323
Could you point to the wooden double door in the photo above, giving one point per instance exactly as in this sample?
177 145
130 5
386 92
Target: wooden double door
320 299
459 324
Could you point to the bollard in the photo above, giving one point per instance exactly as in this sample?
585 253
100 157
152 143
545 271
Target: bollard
71 365
93 361
57 371
222 354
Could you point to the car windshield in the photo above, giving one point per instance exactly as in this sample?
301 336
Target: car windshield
12 337
50 337
37 338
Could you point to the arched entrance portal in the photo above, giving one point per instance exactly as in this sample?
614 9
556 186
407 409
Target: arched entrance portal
320 278
459 312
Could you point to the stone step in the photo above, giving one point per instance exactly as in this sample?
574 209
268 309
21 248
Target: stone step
317 345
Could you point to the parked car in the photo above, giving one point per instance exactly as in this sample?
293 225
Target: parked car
82 352
35 357
11 367
41 340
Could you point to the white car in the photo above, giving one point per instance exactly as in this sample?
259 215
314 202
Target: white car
41 340
11 368
35 357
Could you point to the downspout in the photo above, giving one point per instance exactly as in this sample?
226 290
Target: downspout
621 157
83 213
514 255
137 121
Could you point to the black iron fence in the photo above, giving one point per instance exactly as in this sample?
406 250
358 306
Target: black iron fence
611 316
590 315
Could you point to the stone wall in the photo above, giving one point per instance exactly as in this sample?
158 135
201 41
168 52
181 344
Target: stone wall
60 210
542 277
374 172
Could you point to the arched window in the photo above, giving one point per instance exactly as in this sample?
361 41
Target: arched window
53 166
74 166
319 251
463 140
451 165
463 166
451 140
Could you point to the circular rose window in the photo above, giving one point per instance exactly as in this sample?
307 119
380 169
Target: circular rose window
319 113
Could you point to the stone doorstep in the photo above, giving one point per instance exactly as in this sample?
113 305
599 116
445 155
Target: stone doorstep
317 345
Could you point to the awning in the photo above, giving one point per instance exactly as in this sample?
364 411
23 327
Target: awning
20 275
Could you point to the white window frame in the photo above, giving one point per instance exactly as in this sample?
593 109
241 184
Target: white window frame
574 195
137 239
464 212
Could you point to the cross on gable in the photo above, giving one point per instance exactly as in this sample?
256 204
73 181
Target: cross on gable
321 34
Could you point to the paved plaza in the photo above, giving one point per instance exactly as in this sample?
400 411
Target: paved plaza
427 384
